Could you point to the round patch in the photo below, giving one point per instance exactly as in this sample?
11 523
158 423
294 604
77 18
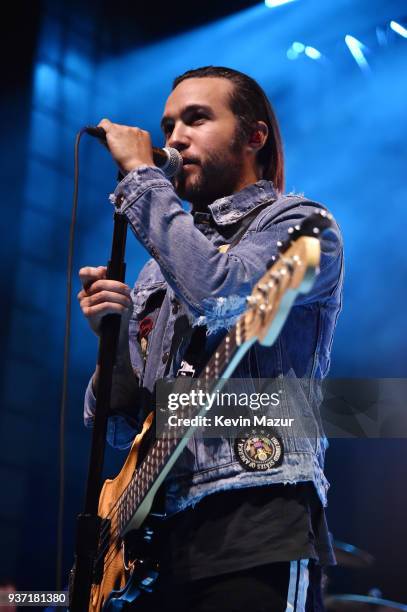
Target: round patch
259 451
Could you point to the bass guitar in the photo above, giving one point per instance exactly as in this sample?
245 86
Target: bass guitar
125 565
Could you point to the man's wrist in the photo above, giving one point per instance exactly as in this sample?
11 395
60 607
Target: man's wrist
135 164
136 182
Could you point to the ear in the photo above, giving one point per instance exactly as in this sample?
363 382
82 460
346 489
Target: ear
258 136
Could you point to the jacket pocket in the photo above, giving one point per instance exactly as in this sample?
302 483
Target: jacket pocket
148 298
147 301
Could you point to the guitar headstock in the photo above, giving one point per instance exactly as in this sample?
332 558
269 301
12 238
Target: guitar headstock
291 272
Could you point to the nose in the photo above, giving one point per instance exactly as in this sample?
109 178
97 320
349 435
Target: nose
179 137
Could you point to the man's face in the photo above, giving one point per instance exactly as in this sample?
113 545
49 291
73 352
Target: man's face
199 123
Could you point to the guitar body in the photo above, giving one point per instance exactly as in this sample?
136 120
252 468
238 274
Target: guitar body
115 575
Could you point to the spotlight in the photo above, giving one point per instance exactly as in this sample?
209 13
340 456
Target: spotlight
298 47
398 28
291 54
355 47
312 53
274 3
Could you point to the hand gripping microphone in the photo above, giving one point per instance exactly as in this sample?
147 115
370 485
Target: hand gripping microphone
167 159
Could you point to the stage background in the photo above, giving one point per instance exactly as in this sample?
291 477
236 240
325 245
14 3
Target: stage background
67 64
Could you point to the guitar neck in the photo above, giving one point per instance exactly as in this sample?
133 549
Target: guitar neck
137 499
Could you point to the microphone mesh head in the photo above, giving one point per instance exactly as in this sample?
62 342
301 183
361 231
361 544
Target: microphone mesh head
174 162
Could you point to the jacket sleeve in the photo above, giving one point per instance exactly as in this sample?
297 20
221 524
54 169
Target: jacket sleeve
214 285
121 428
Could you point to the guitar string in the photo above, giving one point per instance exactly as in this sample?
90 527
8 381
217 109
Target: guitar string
222 352
126 493
149 481
111 549
114 536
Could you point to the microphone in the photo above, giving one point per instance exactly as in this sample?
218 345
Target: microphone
167 159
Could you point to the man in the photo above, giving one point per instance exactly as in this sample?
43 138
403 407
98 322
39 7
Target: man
235 538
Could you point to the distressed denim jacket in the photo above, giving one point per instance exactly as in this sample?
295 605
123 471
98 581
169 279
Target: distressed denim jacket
190 282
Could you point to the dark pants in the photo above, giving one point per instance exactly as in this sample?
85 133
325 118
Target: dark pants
267 588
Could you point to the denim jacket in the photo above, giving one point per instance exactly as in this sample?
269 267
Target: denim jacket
190 282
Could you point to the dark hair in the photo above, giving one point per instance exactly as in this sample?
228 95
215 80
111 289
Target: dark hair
249 103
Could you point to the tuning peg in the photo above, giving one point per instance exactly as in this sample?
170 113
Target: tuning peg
294 262
288 263
271 262
263 288
313 225
275 277
252 300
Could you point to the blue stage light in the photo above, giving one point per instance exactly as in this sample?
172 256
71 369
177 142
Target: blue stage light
399 29
295 50
274 3
355 47
312 53
298 47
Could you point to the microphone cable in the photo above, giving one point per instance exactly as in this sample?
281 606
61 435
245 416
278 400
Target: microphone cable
66 353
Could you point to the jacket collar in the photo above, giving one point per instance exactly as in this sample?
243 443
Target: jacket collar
230 209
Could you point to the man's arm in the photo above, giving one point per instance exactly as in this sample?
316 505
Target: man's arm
211 282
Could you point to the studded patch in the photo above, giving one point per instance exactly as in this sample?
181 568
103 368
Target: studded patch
259 451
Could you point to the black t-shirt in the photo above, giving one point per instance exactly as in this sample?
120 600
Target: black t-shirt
238 529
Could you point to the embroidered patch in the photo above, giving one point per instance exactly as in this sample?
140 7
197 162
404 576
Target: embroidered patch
146 325
259 451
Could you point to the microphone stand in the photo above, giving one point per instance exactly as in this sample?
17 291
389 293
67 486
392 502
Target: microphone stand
88 522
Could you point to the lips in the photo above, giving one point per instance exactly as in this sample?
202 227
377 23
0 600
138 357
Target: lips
189 162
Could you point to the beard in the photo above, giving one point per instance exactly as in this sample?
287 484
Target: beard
216 177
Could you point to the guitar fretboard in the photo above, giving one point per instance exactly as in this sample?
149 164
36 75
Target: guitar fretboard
163 452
